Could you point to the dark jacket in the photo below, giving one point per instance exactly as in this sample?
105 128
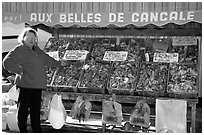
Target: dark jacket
33 65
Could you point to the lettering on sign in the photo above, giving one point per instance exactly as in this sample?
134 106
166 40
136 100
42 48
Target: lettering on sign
80 18
41 17
115 56
166 57
75 55
103 18
13 18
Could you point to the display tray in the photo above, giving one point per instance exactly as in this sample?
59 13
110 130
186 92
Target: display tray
68 77
133 47
183 80
100 46
95 77
152 79
123 78
57 44
187 54
80 44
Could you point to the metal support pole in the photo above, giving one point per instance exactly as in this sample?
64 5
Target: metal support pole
193 117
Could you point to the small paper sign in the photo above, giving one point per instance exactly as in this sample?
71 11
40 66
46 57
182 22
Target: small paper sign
54 55
75 55
160 46
166 57
182 41
115 56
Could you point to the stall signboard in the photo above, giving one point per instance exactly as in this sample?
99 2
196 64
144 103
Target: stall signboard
115 56
183 41
103 19
54 54
166 57
75 55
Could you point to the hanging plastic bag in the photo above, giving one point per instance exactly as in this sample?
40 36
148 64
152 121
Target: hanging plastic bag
112 113
13 93
171 116
6 100
57 115
84 110
81 109
75 107
140 115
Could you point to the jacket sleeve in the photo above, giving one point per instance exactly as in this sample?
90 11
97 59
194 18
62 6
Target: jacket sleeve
11 62
51 62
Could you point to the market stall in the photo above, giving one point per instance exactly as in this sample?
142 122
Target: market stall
134 50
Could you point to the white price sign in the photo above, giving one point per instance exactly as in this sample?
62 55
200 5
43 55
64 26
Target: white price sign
166 57
54 55
75 55
182 41
115 56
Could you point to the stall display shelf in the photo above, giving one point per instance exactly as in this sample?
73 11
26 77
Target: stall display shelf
138 75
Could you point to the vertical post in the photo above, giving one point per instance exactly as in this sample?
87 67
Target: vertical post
55 33
103 124
193 116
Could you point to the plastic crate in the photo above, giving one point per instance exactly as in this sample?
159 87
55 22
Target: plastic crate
183 80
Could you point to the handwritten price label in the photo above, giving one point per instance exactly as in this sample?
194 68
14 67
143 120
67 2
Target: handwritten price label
115 56
54 55
166 57
75 55
182 41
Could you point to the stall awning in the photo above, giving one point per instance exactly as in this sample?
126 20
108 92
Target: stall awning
101 14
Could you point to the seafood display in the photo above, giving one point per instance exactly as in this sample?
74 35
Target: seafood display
137 72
